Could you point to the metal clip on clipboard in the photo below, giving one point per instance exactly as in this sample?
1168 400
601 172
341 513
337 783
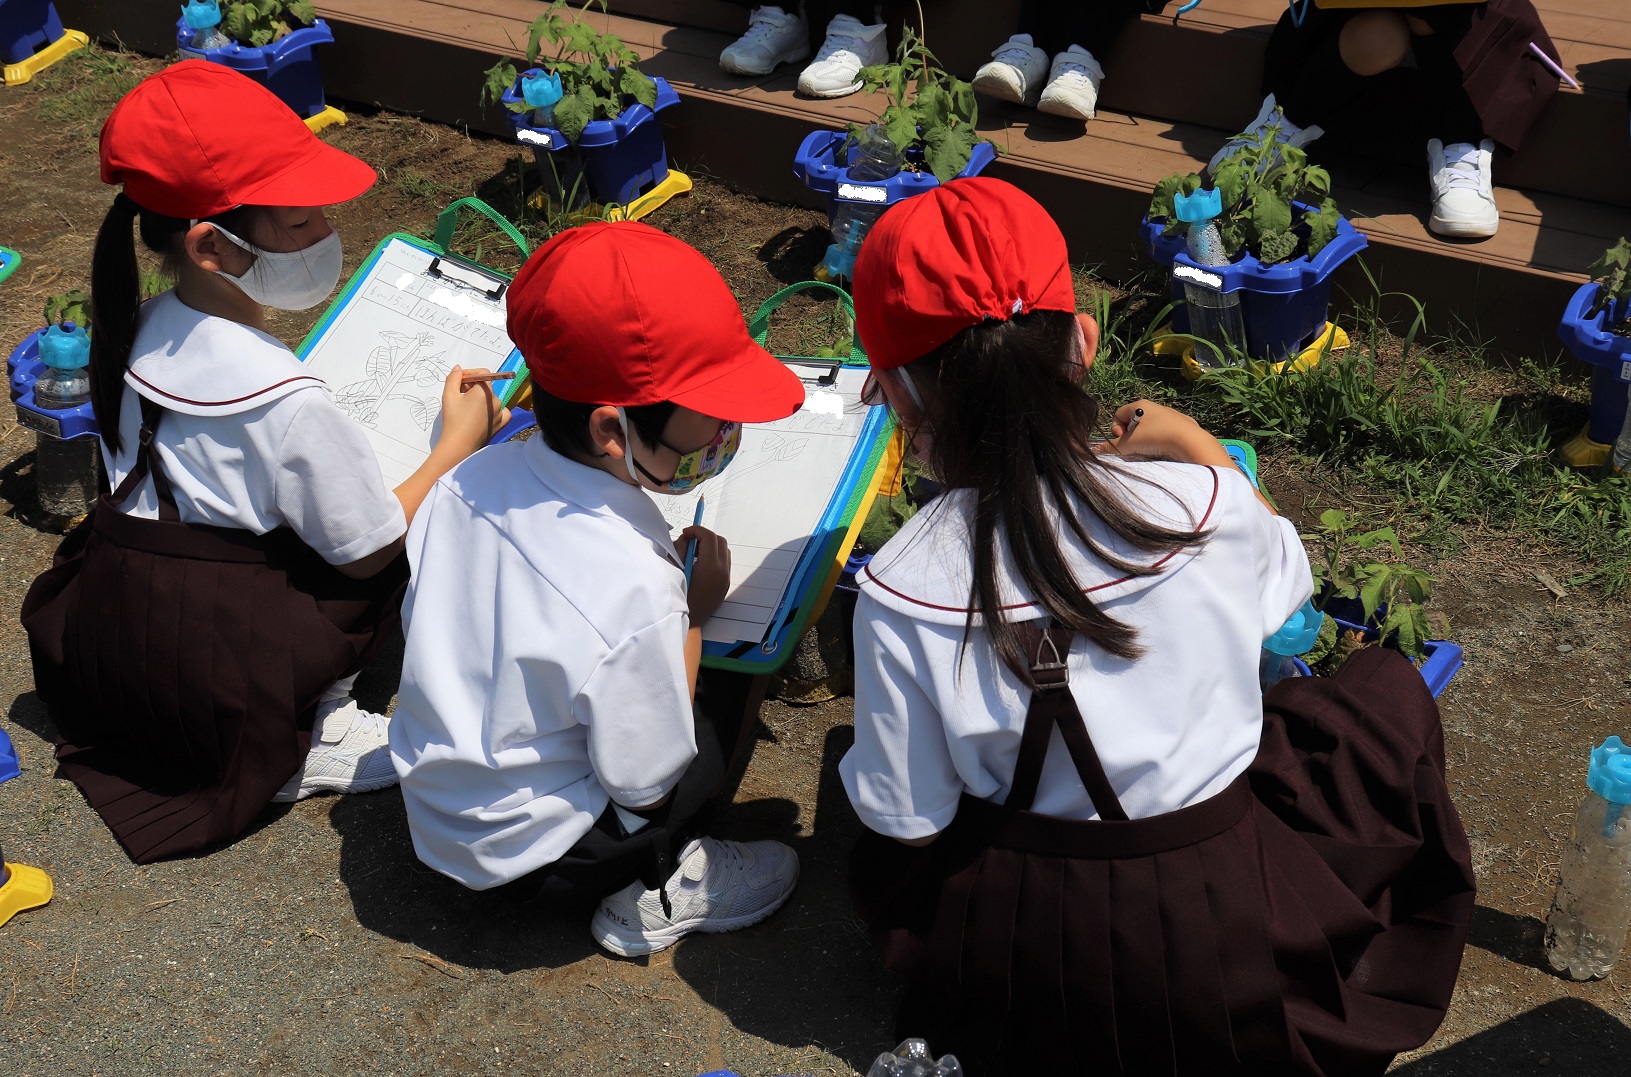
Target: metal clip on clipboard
468 275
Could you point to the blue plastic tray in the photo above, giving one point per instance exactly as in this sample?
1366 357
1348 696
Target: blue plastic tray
23 368
288 66
816 166
621 159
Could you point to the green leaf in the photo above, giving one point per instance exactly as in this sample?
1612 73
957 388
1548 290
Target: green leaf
900 125
947 150
631 83
303 10
1372 590
1277 247
573 113
1322 226
1230 180
497 81
1269 214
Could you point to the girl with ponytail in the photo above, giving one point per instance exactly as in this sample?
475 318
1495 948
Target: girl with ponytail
198 634
1092 844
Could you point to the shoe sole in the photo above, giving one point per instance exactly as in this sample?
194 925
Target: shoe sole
748 72
607 934
1462 229
841 92
1002 91
333 786
1063 108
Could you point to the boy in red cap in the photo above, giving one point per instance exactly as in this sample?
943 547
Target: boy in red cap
1085 846
545 732
197 639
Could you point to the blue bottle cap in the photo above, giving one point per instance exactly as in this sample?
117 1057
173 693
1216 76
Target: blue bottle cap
1201 206
541 89
1609 775
1298 634
65 347
201 14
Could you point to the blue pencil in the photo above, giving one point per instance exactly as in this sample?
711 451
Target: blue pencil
691 550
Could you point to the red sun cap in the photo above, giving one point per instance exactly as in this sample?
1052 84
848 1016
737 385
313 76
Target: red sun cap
950 258
198 139
620 313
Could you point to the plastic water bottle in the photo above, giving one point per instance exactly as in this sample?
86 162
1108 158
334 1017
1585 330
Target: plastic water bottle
1620 458
872 158
1592 908
66 472
1297 636
912 1059
542 90
203 17
1214 316
65 349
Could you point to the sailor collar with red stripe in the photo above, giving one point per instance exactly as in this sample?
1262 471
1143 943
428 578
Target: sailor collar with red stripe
926 570
199 364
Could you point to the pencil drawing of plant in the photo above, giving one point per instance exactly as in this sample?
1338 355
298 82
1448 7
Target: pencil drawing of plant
398 369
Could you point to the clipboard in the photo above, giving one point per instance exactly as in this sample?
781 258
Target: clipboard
410 312
9 260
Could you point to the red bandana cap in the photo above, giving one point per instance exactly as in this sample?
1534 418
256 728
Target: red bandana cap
198 139
950 258
621 313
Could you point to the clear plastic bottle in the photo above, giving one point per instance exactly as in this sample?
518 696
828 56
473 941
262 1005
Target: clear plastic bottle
1592 907
65 349
871 159
912 1059
66 474
1215 319
203 17
1620 458
874 156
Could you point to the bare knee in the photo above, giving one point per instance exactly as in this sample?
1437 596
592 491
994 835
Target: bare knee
1374 41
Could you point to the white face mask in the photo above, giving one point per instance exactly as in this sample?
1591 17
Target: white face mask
290 280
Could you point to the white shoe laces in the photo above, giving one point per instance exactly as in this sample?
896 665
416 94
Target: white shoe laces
1461 167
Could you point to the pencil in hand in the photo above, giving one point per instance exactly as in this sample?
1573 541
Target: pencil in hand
467 380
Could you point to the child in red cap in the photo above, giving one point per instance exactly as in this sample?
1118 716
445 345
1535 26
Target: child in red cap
197 639
1093 846
545 731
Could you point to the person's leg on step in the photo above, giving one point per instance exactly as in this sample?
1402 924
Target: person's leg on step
1459 157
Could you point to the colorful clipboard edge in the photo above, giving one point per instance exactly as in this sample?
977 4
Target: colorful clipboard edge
9 260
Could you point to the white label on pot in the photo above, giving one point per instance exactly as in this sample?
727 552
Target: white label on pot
537 138
1199 276
1625 370
856 192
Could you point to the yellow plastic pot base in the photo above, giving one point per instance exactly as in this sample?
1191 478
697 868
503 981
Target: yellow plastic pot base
326 118
676 183
71 41
1584 453
27 888
1333 338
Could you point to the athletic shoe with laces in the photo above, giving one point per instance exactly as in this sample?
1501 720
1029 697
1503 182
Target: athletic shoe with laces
850 46
1269 115
1015 73
774 37
1073 85
719 886
350 753
1463 193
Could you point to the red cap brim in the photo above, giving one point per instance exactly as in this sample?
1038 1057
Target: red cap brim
326 178
752 387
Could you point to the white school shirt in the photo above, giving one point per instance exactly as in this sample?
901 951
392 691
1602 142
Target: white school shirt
249 439
1172 728
544 675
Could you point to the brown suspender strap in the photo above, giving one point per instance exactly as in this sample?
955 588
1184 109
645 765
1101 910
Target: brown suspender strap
147 463
1053 705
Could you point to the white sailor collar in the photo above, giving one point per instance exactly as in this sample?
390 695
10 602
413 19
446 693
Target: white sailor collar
200 364
593 490
926 570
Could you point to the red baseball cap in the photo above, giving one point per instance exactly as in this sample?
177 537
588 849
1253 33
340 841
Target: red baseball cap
950 258
198 139
621 313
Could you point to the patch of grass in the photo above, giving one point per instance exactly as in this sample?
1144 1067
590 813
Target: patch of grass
80 90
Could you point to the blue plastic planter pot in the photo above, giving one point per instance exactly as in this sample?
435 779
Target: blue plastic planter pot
617 160
23 368
27 27
287 67
816 165
24 365
1609 355
1442 659
1285 305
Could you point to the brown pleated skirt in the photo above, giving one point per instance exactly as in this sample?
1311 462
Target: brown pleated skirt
182 666
1307 920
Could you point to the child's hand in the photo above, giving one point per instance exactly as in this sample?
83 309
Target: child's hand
1164 433
470 417
710 574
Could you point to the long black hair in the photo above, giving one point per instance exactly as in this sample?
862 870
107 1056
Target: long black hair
116 294
1009 421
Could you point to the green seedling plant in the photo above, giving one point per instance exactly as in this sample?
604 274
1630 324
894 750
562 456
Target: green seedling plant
1612 272
1259 185
929 109
261 22
1393 595
599 74
74 306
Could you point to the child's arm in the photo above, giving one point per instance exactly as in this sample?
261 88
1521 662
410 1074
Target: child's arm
1168 434
470 418
710 580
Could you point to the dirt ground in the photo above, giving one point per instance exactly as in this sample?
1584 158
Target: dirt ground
318 944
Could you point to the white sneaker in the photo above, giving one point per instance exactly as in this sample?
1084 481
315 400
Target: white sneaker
849 47
1463 194
773 37
1015 73
1268 116
719 886
350 753
1073 85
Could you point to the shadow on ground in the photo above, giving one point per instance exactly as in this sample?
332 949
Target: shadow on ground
1568 1035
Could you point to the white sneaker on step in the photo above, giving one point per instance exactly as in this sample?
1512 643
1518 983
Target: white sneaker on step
774 37
350 753
1463 193
1073 85
1016 71
1268 116
719 886
849 46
